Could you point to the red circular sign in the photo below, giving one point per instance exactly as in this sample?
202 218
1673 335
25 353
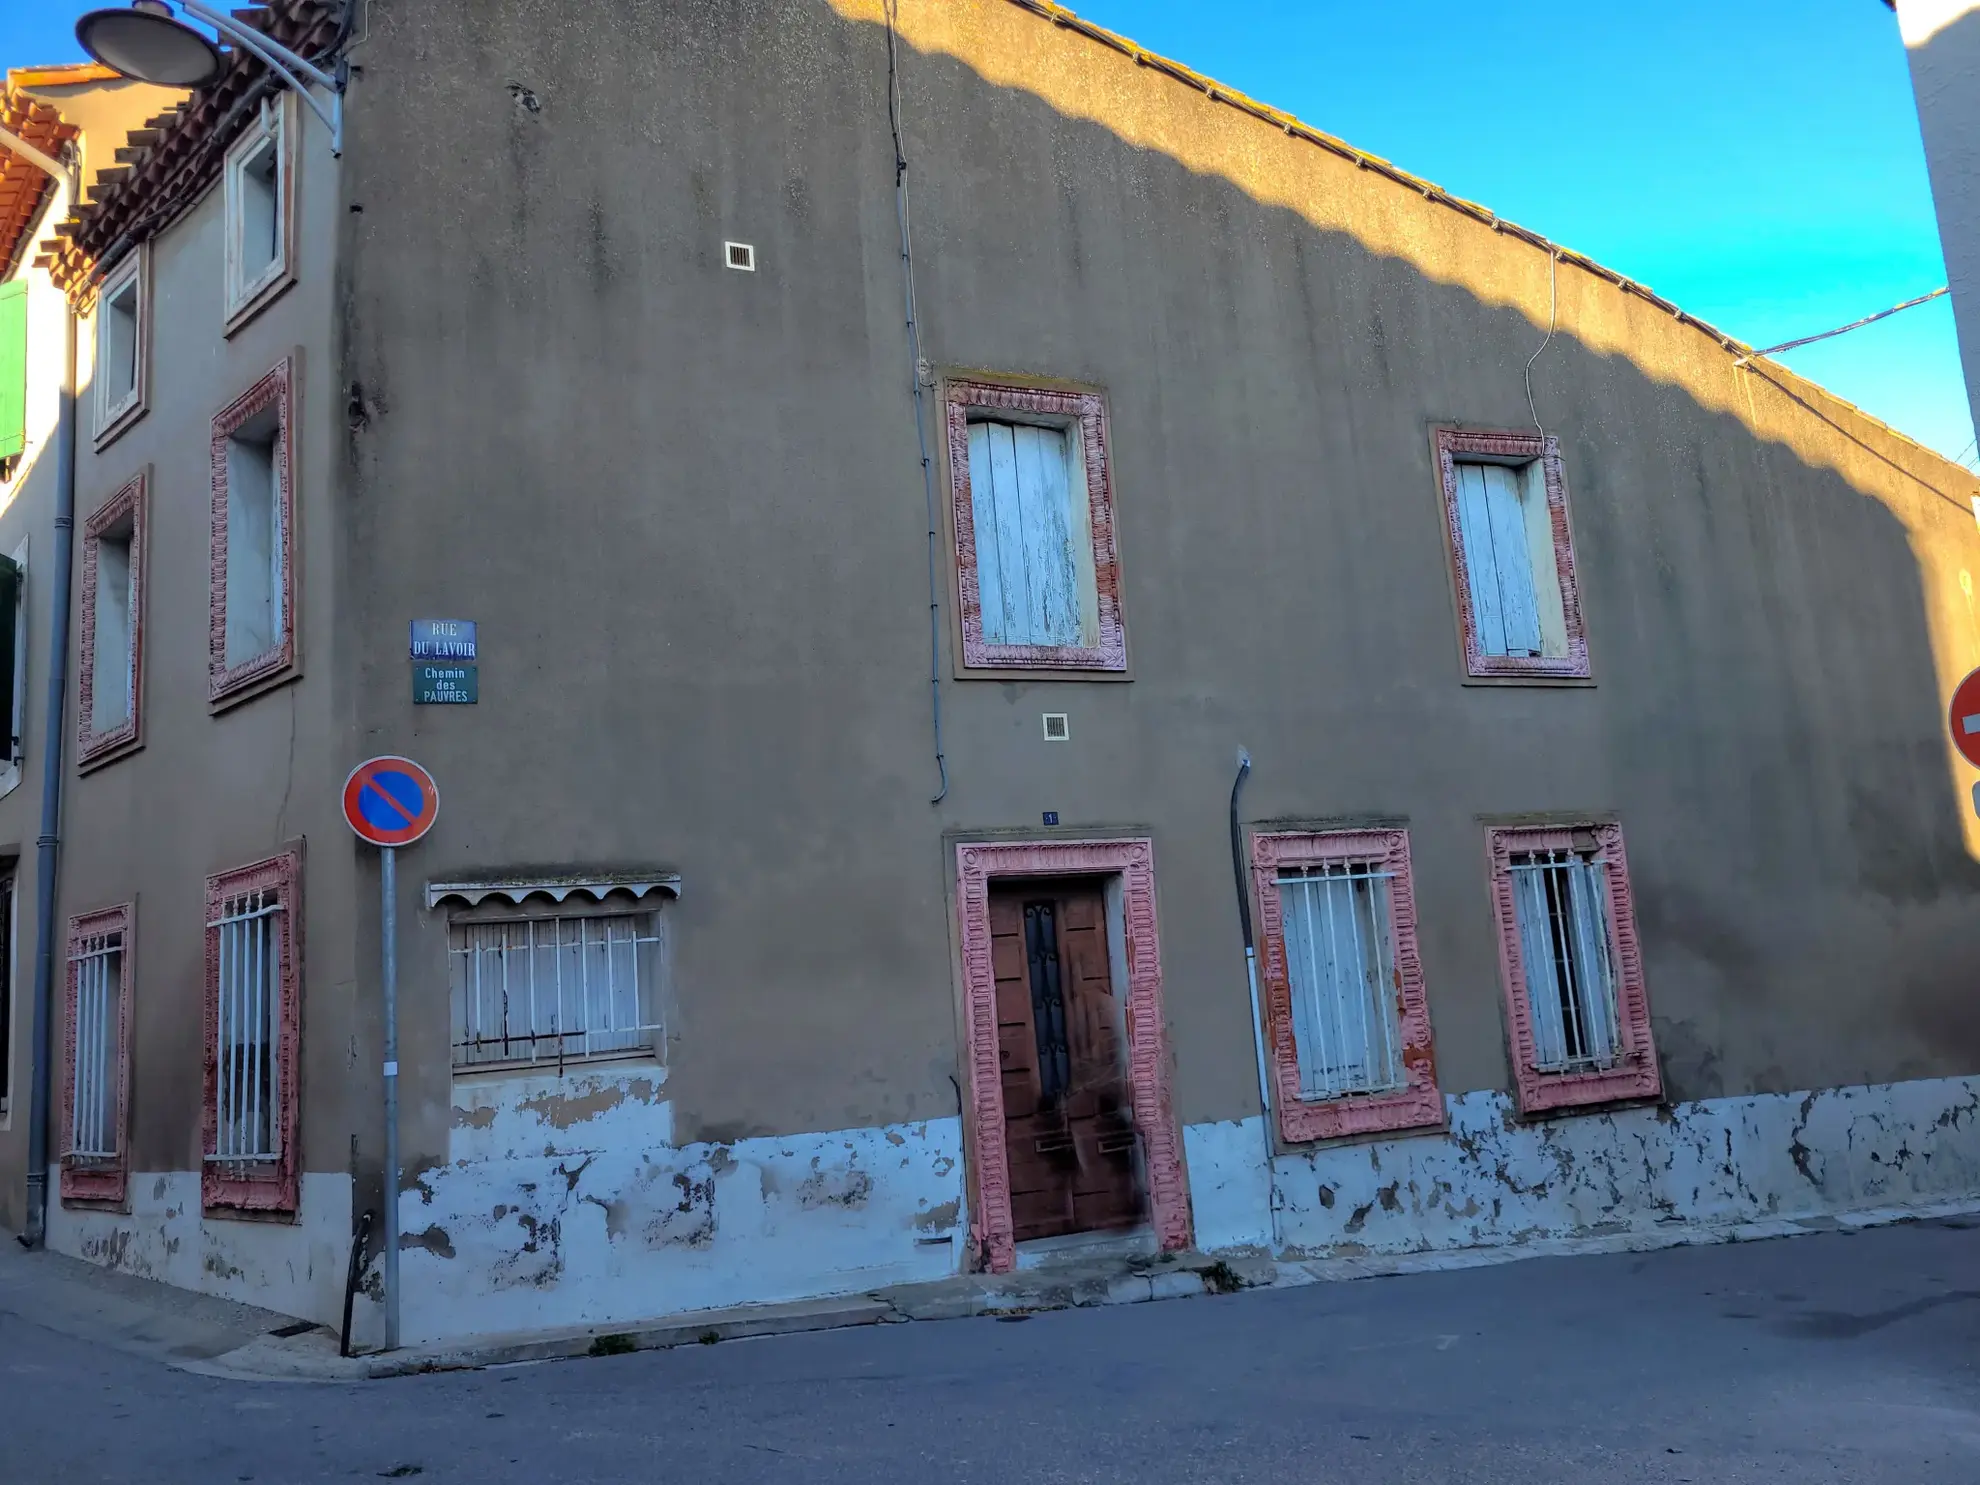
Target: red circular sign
1966 718
390 801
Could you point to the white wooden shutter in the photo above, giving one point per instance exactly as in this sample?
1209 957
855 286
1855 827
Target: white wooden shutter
1497 561
1027 571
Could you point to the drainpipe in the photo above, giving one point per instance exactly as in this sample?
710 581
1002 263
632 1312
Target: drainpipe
36 1227
1251 981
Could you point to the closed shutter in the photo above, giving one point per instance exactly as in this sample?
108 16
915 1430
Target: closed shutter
1027 569
13 371
1497 561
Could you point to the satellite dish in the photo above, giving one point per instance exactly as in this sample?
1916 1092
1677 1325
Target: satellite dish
147 43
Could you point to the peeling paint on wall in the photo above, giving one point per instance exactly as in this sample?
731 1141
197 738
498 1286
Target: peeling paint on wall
565 1202
295 1268
1495 1180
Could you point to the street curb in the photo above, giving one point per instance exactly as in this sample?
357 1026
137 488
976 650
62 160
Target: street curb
1076 1285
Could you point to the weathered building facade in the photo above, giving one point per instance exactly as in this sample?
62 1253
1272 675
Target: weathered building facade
1607 867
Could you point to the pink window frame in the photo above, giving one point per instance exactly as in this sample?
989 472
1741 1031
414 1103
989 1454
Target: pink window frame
1524 448
98 1181
1635 1076
134 502
1087 412
992 1232
1420 1103
276 388
243 1187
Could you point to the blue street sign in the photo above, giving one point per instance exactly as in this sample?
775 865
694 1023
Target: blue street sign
443 639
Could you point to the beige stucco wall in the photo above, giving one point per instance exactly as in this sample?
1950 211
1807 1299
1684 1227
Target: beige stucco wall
209 792
1942 41
104 113
685 506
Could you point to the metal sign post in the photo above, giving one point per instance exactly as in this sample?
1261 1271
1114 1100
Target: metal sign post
388 979
390 802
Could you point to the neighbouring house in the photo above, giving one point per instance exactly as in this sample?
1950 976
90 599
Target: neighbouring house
1609 869
1942 45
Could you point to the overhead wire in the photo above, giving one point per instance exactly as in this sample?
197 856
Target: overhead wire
1882 314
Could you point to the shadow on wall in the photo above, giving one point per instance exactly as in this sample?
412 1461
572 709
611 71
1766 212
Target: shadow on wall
1774 615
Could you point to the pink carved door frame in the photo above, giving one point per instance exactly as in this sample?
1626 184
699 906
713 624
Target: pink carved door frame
992 1241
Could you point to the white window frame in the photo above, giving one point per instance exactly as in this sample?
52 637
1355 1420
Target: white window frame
245 295
132 275
499 957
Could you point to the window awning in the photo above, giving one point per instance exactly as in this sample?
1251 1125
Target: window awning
557 886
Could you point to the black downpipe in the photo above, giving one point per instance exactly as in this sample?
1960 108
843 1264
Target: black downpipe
1251 987
1237 854
358 1240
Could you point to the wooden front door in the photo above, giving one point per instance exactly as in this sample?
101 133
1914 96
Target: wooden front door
1068 1123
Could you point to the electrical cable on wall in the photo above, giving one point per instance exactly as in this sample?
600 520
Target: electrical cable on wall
904 217
1553 317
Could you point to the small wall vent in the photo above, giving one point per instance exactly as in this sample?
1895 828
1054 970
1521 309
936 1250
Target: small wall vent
739 255
1057 728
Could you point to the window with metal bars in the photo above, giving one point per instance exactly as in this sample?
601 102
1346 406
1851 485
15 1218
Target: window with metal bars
1562 900
1577 1011
247 1029
253 933
95 1057
532 990
99 992
1341 960
1348 1025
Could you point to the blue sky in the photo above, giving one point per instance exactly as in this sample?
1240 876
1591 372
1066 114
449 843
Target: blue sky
1756 161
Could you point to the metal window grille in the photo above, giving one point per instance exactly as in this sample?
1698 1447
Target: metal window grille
99 990
1340 955
248 1125
1562 898
553 989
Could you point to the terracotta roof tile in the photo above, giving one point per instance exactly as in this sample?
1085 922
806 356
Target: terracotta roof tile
168 164
23 186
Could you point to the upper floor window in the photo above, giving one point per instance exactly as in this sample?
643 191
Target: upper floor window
251 611
1506 505
1575 1002
1348 1022
110 682
260 200
123 346
1037 576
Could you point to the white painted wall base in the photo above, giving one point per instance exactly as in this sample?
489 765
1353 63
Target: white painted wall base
565 1203
1494 1180
294 1268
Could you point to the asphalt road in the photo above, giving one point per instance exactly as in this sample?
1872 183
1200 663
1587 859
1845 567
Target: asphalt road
1838 1357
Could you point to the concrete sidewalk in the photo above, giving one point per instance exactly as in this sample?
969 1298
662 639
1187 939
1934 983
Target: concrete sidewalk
215 1337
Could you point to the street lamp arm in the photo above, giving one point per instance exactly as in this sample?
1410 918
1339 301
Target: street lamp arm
295 70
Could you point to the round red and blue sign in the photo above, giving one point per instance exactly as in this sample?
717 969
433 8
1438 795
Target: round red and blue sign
390 801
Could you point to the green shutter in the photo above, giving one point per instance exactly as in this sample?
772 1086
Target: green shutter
13 367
